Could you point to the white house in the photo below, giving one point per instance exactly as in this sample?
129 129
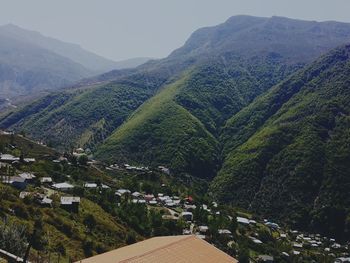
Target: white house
63 186
121 192
187 216
243 220
90 185
27 176
46 180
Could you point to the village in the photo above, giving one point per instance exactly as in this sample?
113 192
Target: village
196 217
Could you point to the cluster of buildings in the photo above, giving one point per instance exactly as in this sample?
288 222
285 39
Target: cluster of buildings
150 199
9 158
129 167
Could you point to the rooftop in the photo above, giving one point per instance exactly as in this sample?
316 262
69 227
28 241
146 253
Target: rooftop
165 249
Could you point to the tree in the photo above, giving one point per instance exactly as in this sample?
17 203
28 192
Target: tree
130 238
88 246
83 159
12 237
243 255
90 222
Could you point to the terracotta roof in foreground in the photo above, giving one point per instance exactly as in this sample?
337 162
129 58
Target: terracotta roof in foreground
179 249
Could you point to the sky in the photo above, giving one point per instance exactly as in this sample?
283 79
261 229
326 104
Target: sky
122 29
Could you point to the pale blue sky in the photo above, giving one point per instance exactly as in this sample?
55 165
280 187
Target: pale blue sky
120 29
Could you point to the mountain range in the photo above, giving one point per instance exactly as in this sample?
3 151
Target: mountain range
257 106
31 64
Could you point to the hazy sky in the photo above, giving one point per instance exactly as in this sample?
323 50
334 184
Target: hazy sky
120 29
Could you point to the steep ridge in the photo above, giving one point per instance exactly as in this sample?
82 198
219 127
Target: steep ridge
288 152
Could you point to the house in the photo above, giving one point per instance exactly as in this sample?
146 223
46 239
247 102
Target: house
297 245
23 195
205 207
136 195
70 203
265 258
63 186
342 260
242 220
8 158
187 216
46 201
167 249
90 185
121 192
224 232
169 203
257 241
203 229
79 152
190 207
15 181
336 245
164 169
272 225
29 177
149 197
186 232
153 202
138 201
29 160
46 180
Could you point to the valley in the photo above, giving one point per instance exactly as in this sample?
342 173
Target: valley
87 207
239 137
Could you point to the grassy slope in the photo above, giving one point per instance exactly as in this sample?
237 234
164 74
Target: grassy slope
65 228
86 117
28 147
286 163
219 89
61 228
163 132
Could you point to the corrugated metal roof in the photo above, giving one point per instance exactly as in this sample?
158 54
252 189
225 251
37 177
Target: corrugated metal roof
184 249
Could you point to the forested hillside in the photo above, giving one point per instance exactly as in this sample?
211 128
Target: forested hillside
288 152
248 103
226 67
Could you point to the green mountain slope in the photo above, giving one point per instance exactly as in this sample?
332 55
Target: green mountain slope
84 117
228 66
163 132
288 152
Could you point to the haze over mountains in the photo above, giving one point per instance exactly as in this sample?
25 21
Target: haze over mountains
32 63
241 102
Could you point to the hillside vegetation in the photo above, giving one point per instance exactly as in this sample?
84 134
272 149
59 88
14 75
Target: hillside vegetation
228 66
161 131
242 102
287 152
